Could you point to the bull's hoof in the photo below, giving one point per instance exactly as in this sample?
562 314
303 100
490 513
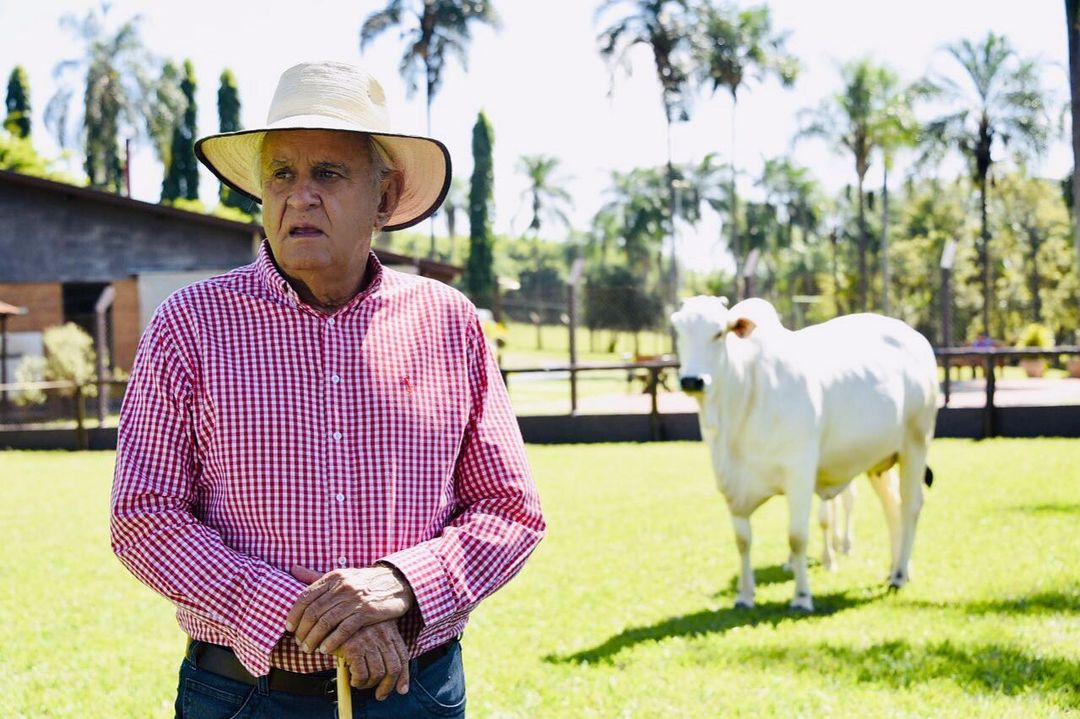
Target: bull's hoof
896 581
741 603
802 603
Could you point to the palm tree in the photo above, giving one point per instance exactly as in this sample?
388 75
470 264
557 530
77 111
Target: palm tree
547 198
664 27
116 89
433 30
732 46
895 128
796 195
852 122
997 101
798 202
637 214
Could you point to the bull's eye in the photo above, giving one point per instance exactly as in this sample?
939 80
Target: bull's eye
719 335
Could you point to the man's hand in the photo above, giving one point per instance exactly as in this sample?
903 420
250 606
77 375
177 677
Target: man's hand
338 604
377 657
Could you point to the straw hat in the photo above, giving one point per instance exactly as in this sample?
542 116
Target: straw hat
335 96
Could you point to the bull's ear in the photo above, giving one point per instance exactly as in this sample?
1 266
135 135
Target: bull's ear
742 326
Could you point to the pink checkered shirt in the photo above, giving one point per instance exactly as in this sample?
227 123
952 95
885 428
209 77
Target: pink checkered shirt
258 434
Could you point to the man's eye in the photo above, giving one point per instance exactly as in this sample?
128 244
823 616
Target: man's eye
328 174
281 174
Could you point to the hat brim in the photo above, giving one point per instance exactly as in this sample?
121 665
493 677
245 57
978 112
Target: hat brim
423 162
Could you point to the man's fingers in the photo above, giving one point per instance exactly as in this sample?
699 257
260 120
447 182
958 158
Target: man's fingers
402 684
378 658
305 575
358 671
316 589
320 618
324 624
348 627
386 686
373 672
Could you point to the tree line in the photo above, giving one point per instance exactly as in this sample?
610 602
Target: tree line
812 253
109 95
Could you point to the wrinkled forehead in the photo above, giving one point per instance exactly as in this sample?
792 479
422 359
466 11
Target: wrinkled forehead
314 146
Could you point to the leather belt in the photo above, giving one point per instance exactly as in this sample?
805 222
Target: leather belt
223 662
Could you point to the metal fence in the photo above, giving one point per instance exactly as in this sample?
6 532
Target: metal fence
69 414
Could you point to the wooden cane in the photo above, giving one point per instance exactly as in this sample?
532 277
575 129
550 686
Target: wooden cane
344 690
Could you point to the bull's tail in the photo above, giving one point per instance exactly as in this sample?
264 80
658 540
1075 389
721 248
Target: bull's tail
928 478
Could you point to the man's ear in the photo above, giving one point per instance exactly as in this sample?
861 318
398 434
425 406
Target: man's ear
388 200
742 327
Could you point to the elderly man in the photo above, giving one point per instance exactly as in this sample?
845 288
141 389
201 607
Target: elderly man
317 455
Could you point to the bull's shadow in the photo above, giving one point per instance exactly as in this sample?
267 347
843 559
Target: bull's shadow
763 576
719 621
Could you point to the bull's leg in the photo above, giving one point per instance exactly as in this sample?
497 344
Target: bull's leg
847 499
800 496
885 484
827 521
912 473
745 598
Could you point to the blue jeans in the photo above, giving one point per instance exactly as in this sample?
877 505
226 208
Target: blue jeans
438 691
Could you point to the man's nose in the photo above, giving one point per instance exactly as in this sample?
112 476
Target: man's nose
692 384
304 194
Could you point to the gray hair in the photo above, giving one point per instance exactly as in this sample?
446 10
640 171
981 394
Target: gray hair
382 166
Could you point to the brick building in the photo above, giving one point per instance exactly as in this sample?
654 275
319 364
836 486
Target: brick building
61 246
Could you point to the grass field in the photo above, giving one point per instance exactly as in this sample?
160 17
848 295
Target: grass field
624 611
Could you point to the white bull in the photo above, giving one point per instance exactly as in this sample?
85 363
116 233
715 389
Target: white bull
796 413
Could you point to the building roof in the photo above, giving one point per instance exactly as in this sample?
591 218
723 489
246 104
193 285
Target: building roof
426 267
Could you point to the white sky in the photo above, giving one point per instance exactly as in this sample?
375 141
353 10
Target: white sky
542 82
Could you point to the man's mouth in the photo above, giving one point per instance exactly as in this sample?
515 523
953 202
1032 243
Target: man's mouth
304 231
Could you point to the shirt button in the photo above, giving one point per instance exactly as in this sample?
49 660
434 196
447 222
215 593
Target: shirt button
337 435
331 321
341 561
341 497
334 378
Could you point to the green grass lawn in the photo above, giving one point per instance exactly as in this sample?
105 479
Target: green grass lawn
524 348
625 609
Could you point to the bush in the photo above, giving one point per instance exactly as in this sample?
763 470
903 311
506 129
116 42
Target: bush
30 369
70 355
1036 336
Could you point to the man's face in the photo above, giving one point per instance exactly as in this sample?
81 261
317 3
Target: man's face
320 202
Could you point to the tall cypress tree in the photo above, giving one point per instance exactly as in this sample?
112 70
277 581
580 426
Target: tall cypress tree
17 121
182 170
228 105
480 271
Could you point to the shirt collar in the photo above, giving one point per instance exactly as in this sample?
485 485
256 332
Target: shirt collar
274 280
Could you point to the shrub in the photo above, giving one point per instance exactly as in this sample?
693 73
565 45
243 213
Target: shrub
70 355
30 369
1036 336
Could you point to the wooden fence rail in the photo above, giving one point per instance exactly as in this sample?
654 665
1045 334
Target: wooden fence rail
988 357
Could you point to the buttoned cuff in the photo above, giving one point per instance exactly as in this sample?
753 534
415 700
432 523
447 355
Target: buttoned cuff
263 622
430 584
